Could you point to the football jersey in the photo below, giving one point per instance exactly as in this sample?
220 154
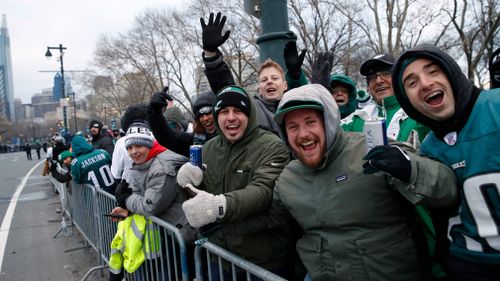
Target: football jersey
474 156
94 168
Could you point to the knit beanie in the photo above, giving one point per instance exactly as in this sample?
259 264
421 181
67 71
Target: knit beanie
134 113
95 124
203 104
139 134
232 96
174 114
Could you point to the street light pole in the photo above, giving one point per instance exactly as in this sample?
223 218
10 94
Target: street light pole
74 111
48 54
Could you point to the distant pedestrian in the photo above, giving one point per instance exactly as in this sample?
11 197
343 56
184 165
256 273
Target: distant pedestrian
38 147
27 148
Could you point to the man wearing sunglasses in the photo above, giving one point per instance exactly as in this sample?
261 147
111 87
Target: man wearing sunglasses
400 127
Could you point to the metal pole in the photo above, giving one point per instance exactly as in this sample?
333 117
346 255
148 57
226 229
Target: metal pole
65 120
74 112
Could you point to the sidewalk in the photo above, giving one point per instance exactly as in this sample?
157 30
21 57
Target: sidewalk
31 252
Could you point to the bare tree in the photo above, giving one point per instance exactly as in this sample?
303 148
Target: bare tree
477 24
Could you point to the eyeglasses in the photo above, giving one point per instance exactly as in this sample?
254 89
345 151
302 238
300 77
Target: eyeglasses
383 74
340 91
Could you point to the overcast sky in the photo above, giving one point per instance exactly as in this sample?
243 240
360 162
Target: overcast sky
77 24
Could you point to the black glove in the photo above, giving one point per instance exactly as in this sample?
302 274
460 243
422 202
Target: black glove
159 101
321 70
388 159
122 192
212 36
293 61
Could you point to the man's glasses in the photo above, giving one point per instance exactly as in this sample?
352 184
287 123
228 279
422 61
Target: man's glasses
383 74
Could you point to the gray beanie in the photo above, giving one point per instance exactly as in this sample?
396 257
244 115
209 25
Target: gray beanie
139 134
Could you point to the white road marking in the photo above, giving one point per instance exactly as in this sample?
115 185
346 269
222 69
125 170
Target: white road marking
5 228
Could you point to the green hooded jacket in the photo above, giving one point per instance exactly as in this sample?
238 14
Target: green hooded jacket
245 172
346 81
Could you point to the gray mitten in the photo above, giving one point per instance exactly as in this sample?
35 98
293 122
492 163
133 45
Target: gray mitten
204 208
189 174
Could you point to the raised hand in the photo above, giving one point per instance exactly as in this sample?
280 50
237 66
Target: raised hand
212 36
159 100
321 69
293 60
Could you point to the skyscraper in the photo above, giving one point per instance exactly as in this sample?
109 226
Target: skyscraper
7 109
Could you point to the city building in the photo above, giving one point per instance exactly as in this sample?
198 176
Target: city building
7 109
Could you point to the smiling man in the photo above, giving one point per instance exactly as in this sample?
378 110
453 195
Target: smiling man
242 163
465 126
356 226
400 127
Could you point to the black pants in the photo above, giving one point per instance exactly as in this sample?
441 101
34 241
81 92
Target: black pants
458 269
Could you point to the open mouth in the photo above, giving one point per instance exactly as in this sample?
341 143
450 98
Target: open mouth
308 145
435 98
232 128
381 89
340 100
270 90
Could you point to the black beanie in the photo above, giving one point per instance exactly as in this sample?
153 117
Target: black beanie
95 124
134 113
204 100
232 96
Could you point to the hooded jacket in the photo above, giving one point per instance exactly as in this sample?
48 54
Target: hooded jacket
356 226
468 143
350 107
245 172
155 191
91 166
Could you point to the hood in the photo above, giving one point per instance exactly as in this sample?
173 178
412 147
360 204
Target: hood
155 150
134 113
252 123
298 98
350 107
464 91
79 146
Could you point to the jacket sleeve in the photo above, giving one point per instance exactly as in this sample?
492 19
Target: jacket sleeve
257 194
107 144
275 217
166 137
292 83
160 193
432 183
62 178
75 172
217 72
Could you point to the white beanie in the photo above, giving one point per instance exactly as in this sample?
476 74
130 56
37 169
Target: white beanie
139 134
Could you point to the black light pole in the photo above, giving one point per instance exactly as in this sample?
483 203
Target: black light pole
74 112
48 54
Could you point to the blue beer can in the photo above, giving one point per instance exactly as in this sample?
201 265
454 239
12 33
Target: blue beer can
195 155
375 133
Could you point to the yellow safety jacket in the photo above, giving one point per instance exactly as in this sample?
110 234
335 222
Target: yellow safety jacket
134 241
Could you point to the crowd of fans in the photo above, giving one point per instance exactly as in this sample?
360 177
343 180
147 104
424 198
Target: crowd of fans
287 182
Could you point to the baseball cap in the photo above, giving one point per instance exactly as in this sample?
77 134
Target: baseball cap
379 62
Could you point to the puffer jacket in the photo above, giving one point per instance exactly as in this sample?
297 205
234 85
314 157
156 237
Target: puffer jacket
245 173
356 226
155 191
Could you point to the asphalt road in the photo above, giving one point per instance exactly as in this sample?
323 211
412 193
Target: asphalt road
29 252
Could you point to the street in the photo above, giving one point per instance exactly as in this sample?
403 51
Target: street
29 214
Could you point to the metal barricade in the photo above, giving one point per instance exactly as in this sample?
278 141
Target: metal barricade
89 205
85 208
222 260
62 190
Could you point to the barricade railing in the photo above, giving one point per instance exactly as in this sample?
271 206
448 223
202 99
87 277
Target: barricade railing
85 208
221 264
